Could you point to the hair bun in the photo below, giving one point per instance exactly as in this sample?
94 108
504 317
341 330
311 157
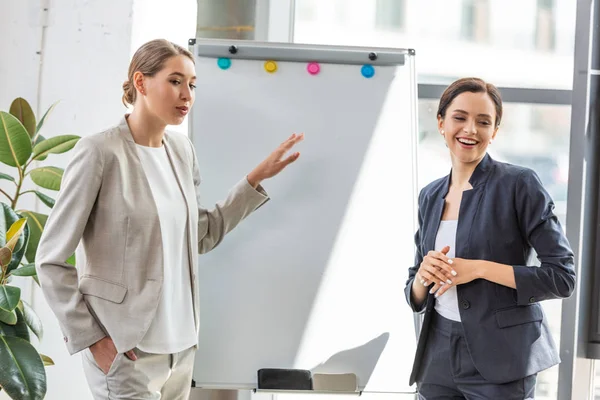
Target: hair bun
128 94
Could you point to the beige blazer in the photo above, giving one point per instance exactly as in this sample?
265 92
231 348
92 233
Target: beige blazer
105 202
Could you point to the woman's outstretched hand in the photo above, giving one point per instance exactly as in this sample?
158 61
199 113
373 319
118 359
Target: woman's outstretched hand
275 162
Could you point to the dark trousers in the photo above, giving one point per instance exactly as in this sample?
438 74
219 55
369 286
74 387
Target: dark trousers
448 372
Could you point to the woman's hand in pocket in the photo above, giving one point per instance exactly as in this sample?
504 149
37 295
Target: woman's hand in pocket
104 352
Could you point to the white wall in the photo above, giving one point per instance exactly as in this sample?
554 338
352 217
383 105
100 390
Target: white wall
86 53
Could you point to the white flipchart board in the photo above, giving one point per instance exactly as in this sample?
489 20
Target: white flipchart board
313 279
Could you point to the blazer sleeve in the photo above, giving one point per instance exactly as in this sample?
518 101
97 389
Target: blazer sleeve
555 277
412 271
214 224
63 230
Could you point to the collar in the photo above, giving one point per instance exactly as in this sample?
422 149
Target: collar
478 177
126 132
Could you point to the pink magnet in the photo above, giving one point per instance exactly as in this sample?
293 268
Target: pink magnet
313 68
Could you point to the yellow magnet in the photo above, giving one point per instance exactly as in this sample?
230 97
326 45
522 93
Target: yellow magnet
270 66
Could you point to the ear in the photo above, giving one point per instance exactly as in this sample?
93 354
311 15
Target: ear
440 123
138 81
495 133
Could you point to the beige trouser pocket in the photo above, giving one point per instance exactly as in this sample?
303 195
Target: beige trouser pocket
150 377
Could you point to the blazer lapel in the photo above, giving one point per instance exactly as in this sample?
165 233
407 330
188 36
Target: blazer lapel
469 205
137 172
468 210
177 168
437 209
438 201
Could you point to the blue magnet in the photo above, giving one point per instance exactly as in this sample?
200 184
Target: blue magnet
224 63
367 71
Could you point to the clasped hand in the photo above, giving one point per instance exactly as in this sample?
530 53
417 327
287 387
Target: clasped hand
442 272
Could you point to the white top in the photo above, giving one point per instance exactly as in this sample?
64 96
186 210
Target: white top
447 304
172 329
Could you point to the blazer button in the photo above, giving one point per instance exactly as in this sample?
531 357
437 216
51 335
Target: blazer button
66 339
532 299
465 304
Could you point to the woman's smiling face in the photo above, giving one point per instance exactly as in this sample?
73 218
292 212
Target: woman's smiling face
469 126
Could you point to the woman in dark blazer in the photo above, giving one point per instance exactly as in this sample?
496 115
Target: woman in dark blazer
484 334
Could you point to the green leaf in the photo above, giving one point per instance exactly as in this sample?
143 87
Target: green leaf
14 235
26 270
36 223
41 123
47 177
9 297
15 143
22 373
31 319
47 200
47 360
55 145
7 218
7 177
71 260
18 255
7 317
20 329
21 109
39 139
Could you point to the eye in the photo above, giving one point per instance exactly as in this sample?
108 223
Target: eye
192 86
459 118
175 82
485 123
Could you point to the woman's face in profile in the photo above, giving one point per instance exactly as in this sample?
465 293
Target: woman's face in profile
170 93
469 126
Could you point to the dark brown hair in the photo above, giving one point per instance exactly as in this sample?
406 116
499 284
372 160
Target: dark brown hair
473 85
149 59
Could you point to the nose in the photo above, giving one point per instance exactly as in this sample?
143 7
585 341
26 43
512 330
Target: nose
186 93
470 127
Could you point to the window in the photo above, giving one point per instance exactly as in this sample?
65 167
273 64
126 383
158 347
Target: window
597 381
390 14
545 39
305 10
475 21
492 39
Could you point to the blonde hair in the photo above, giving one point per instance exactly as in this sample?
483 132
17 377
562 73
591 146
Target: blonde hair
149 59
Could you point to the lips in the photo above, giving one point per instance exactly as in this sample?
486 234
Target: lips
183 110
467 141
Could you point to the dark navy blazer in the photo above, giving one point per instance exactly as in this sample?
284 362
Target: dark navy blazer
506 216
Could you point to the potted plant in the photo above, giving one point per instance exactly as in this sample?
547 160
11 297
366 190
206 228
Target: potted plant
22 367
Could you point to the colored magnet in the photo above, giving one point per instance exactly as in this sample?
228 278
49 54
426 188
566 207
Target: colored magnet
224 63
313 68
367 71
270 66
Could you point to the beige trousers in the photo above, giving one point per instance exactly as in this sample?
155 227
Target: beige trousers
150 377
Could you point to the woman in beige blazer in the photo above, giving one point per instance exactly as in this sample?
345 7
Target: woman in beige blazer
130 195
